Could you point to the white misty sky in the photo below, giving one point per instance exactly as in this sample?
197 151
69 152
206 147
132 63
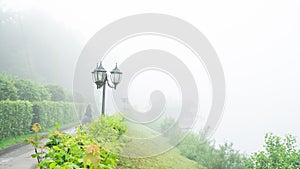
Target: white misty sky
257 42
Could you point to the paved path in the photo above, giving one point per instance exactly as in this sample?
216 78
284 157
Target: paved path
21 157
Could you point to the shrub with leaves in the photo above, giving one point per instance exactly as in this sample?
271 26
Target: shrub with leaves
45 94
279 153
7 89
57 92
14 88
196 147
85 149
106 125
27 90
71 151
107 131
36 143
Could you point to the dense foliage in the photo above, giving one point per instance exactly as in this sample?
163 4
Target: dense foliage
14 88
31 91
279 153
7 89
57 92
196 147
24 102
47 113
88 148
112 127
16 118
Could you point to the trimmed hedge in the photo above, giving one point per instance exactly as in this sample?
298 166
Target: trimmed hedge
16 118
47 113
24 102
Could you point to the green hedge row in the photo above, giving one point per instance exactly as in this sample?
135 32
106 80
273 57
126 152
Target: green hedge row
14 88
16 118
47 113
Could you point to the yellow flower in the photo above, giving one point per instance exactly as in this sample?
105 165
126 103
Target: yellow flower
36 127
30 140
43 147
57 133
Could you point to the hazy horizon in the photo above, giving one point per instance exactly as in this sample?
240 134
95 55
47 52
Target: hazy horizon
257 43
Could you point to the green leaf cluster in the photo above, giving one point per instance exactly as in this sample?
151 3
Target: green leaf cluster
278 153
14 88
88 148
111 127
28 90
17 116
7 89
57 92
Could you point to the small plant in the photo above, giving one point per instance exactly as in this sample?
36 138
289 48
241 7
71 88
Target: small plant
36 143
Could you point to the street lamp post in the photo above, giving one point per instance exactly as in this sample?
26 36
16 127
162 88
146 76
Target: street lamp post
100 79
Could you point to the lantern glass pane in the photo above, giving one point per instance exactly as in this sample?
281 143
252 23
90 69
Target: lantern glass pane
103 76
115 78
95 76
100 76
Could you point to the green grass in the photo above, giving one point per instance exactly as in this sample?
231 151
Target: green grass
13 140
7 142
171 159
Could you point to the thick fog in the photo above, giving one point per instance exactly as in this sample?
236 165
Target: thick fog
257 43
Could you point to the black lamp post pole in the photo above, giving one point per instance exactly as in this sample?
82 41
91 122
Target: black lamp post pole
103 100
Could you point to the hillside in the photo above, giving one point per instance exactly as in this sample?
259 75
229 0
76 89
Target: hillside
168 160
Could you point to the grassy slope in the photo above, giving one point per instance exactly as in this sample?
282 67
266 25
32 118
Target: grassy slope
168 160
